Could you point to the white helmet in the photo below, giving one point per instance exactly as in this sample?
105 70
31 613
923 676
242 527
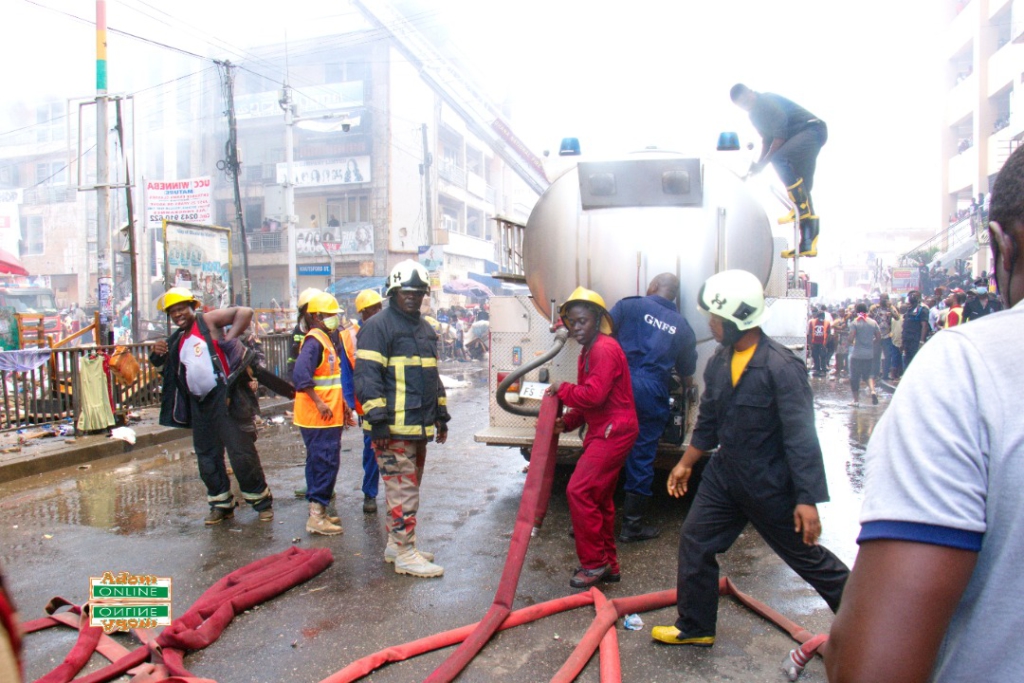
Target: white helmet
408 274
735 295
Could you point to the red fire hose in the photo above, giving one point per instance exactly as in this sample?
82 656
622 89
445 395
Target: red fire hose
531 510
199 626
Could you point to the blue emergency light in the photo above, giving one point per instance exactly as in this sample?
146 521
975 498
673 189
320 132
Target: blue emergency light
570 147
728 142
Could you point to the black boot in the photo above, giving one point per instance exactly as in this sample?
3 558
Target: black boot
633 509
809 236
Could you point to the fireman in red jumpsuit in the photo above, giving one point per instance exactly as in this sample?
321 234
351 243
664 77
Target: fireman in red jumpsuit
603 399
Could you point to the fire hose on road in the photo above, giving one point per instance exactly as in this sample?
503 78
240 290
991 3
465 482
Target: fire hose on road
601 633
197 628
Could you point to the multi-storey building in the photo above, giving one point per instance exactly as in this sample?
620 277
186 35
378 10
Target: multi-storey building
984 109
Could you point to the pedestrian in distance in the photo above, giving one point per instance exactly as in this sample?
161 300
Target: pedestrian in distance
818 330
368 304
791 139
657 341
405 404
915 327
758 411
602 398
932 594
320 410
864 336
206 388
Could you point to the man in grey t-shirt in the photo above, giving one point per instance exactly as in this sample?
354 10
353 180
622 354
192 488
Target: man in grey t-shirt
864 334
934 593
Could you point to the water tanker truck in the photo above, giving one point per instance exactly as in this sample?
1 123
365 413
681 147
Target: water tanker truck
611 226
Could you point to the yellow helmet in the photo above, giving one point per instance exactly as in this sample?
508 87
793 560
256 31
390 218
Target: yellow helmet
367 298
175 295
323 303
306 295
591 297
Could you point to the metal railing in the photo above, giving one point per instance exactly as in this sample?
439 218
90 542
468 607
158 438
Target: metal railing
950 237
52 392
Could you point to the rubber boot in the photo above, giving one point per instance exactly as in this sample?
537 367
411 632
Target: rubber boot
318 522
808 230
799 198
633 529
413 563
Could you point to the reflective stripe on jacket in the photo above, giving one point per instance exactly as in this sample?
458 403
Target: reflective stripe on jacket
326 384
396 375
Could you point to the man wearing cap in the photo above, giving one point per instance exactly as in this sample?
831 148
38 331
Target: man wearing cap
205 388
602 398
981 306
404 403
758 411
368 304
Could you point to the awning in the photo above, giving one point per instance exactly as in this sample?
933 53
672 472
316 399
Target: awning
356 284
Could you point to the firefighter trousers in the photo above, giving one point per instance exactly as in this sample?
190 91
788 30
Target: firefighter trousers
652 414
214 431
591 507
713 523
323 458
401 468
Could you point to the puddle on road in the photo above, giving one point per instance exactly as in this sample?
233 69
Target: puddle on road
133 497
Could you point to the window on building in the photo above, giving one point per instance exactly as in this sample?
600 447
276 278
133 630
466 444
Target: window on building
51 173
50 122
32 235
349 208
475 223
9 175
450 219
352 69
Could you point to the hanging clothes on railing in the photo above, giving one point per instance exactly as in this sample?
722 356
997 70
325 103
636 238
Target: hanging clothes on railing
96 412
23 360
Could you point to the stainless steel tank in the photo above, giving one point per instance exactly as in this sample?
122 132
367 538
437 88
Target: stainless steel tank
611 226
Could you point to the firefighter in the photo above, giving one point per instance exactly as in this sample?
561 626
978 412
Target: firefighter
368 304
404 403
195 365
758 410
791 138
656 340
320 409
603 399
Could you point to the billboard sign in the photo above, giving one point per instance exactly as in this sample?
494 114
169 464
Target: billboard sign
198 257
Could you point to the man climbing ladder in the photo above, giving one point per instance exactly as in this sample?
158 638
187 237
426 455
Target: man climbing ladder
791 138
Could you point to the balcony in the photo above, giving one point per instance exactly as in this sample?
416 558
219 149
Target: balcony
1000 145
961 100
266 242
452 173
961 29
962 170
1004 67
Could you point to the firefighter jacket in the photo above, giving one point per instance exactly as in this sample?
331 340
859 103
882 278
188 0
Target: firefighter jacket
603 394
764 426
396 377
321 354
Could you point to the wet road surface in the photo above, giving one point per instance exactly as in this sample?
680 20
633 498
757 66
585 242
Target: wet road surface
143 513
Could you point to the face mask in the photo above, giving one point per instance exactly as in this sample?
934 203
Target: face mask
332 322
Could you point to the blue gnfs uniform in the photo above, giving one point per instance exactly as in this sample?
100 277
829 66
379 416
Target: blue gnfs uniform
656 339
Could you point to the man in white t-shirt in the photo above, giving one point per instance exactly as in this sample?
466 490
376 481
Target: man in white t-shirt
934 594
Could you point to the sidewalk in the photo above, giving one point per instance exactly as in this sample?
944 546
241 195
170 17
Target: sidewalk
34 450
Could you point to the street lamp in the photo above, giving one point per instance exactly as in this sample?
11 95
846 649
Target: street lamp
291 118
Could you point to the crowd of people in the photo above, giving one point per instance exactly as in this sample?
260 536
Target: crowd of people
883 335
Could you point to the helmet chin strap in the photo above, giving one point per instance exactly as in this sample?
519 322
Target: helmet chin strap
730 332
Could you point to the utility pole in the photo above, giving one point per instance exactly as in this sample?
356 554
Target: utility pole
105 279
289 193
428 160
232 166
132 254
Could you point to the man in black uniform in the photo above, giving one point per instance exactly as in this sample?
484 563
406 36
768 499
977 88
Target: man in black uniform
758 410
981 305
791 138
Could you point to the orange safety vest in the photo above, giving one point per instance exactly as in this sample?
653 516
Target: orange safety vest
348 342
326 384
